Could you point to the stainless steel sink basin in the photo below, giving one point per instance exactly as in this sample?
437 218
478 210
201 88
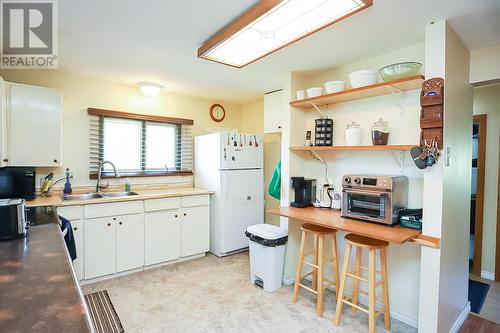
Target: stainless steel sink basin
90 196
117 194
85 196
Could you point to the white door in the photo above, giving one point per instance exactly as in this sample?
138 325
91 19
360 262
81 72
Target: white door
78 262
273 111
34 118
162 236
195 230
100 247
129 242
242 205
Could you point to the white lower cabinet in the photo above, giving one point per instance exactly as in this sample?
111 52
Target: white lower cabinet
162 236
129 242
100 247
78 262
122 236
74 215
195 230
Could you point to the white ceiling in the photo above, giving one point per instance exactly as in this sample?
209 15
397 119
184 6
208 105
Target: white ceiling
128 41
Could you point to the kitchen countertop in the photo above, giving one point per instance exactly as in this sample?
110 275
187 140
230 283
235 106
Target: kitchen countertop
55 199
331 218
38 289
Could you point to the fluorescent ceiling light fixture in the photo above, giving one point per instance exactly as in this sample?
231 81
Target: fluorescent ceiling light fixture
274 24
150 89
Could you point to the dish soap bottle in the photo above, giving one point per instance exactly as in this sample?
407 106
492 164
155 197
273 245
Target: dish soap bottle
67 185
127 185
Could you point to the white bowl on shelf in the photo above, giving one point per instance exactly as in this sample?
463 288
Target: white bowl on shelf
363 78
314 92
301 94
334 86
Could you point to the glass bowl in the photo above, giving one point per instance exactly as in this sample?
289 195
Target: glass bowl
400 70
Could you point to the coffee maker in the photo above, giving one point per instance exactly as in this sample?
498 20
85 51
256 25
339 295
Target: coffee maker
305 192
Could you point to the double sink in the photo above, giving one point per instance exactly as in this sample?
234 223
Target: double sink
92 196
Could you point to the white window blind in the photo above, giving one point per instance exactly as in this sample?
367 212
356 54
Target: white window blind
139 147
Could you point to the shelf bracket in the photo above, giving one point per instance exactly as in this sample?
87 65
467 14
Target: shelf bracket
316 106
399 157
401 98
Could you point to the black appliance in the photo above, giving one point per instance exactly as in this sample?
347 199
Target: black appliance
305 192
17 182
13 219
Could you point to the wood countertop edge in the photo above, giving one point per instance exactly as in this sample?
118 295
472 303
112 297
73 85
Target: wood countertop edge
419 238
56 200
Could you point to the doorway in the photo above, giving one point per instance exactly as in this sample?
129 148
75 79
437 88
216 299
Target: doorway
477 191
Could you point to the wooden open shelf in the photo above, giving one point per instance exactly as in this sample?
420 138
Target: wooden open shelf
350 148
377 89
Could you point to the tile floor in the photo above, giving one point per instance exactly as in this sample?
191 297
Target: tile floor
213 294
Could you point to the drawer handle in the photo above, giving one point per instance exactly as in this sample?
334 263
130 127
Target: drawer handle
109 224
120 223
55 161
114 218
5 159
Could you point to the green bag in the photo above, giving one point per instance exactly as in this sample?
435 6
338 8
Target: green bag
275 182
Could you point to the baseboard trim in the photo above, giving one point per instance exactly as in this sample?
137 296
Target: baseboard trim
287 281
488 275
363 299
461 319
140 269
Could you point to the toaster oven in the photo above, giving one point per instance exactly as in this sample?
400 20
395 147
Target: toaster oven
374 198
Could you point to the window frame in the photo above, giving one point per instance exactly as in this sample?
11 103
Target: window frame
144 119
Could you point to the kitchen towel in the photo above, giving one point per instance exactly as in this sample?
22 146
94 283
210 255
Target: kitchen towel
275 182
69 238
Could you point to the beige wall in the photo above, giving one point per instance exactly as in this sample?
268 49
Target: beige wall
79 93
485 65
487 101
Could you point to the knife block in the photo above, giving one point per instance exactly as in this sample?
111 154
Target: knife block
432 111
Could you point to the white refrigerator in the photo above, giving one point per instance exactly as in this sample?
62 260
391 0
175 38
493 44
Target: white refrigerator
231 165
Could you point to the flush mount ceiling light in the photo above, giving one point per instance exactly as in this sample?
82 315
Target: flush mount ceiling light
274 24
150 89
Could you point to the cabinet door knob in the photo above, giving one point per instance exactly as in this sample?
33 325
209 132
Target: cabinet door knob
176 216
75 228
184 214
120 223
109 224
55 161
5 159
279 127
114 218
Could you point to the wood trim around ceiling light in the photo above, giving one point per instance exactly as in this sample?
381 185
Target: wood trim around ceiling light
136 116
250 16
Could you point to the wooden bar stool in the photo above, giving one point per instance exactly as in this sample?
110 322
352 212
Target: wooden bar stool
372 245
317 264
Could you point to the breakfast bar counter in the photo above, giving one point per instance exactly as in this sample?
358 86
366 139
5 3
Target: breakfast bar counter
38 289
330 218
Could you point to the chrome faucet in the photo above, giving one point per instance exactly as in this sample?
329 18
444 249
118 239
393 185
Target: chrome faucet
99 186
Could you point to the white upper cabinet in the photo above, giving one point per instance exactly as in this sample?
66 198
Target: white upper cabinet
31 126
274 111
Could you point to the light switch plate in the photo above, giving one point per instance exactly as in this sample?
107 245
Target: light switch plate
447 156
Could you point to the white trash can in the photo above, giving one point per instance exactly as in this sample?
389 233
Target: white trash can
267 255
